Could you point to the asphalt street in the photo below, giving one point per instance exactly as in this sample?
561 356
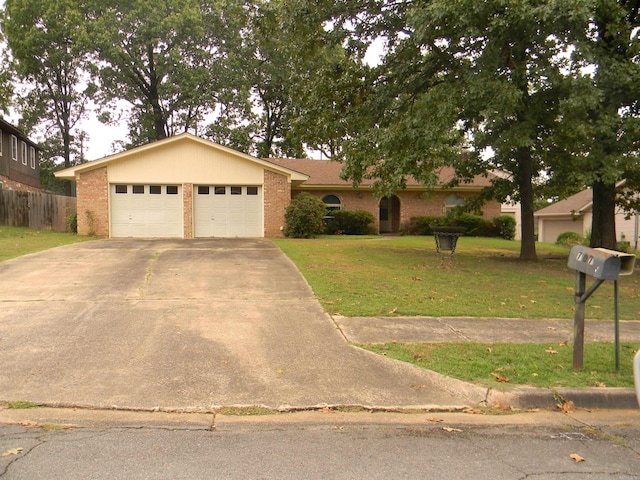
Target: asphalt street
321 445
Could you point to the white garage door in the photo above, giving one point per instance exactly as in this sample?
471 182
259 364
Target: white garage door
147 211
227 211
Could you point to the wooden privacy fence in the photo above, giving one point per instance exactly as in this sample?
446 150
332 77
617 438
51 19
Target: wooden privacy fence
43 211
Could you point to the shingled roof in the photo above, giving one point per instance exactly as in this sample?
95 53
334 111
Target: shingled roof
575 204
327 173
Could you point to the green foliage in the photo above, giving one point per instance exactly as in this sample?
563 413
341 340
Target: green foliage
421 225
172 60
503 226
506 226
475 225
568 239
304 217
346 222
72 222
47 40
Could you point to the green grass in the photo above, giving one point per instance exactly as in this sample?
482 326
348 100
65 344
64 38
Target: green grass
391 276
540 365
16 241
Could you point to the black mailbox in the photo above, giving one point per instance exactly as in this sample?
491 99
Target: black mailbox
601 263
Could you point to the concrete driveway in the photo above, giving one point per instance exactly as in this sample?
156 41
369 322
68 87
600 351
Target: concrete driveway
187 324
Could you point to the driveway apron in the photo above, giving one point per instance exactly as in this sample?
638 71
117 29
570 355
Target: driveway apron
188 324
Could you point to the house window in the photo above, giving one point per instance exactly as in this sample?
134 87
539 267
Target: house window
452 202
172 189
32 157
14 147
332 202
23 151
252 190
220 190
236 190
138 189
121 189
203 190
155 189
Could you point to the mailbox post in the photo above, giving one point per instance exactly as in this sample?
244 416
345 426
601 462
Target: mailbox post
602 264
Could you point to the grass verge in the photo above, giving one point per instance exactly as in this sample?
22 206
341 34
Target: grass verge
507 365
17 241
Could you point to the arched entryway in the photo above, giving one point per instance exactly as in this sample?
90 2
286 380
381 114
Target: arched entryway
389 214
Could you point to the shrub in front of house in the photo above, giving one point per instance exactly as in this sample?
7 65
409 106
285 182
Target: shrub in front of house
346 222
304 217
420 225
476 226
569 239
505 226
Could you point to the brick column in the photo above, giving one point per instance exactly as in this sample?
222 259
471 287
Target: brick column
93 202
187 202
277 196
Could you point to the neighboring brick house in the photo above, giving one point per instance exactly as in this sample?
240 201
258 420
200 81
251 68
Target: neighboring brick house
188 187
19 160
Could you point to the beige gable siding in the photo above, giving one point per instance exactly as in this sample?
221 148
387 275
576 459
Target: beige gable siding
196 163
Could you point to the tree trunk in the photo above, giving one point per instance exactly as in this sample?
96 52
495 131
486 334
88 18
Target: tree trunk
603 223
525 185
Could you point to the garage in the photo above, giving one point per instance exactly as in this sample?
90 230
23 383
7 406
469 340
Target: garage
146 211
182 187
227 211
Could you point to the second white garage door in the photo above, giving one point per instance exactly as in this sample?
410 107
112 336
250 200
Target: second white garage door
227 211
147 211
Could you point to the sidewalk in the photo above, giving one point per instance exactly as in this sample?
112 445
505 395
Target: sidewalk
489 330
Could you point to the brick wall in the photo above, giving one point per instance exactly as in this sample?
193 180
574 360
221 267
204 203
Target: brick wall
187 205
412 203
277 196
8 184
93 202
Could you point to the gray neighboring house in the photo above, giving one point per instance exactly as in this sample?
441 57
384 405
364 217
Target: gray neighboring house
575 214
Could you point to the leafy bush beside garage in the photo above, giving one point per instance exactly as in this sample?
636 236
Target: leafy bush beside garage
304 217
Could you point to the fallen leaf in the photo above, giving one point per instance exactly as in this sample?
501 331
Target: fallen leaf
472 411
393 311
435 420
416 279
576 457
279 371
13 451
417 357
489 350
567 406
449 429
551 328
500 378
28 423
564 344
551 351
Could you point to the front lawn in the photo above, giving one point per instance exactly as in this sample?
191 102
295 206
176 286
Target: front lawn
387 276
17 241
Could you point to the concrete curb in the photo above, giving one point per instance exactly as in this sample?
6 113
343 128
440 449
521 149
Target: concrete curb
586 398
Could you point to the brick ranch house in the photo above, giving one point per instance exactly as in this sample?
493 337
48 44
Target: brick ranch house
189 187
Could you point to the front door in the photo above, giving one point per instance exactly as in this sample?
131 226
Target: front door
389 214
